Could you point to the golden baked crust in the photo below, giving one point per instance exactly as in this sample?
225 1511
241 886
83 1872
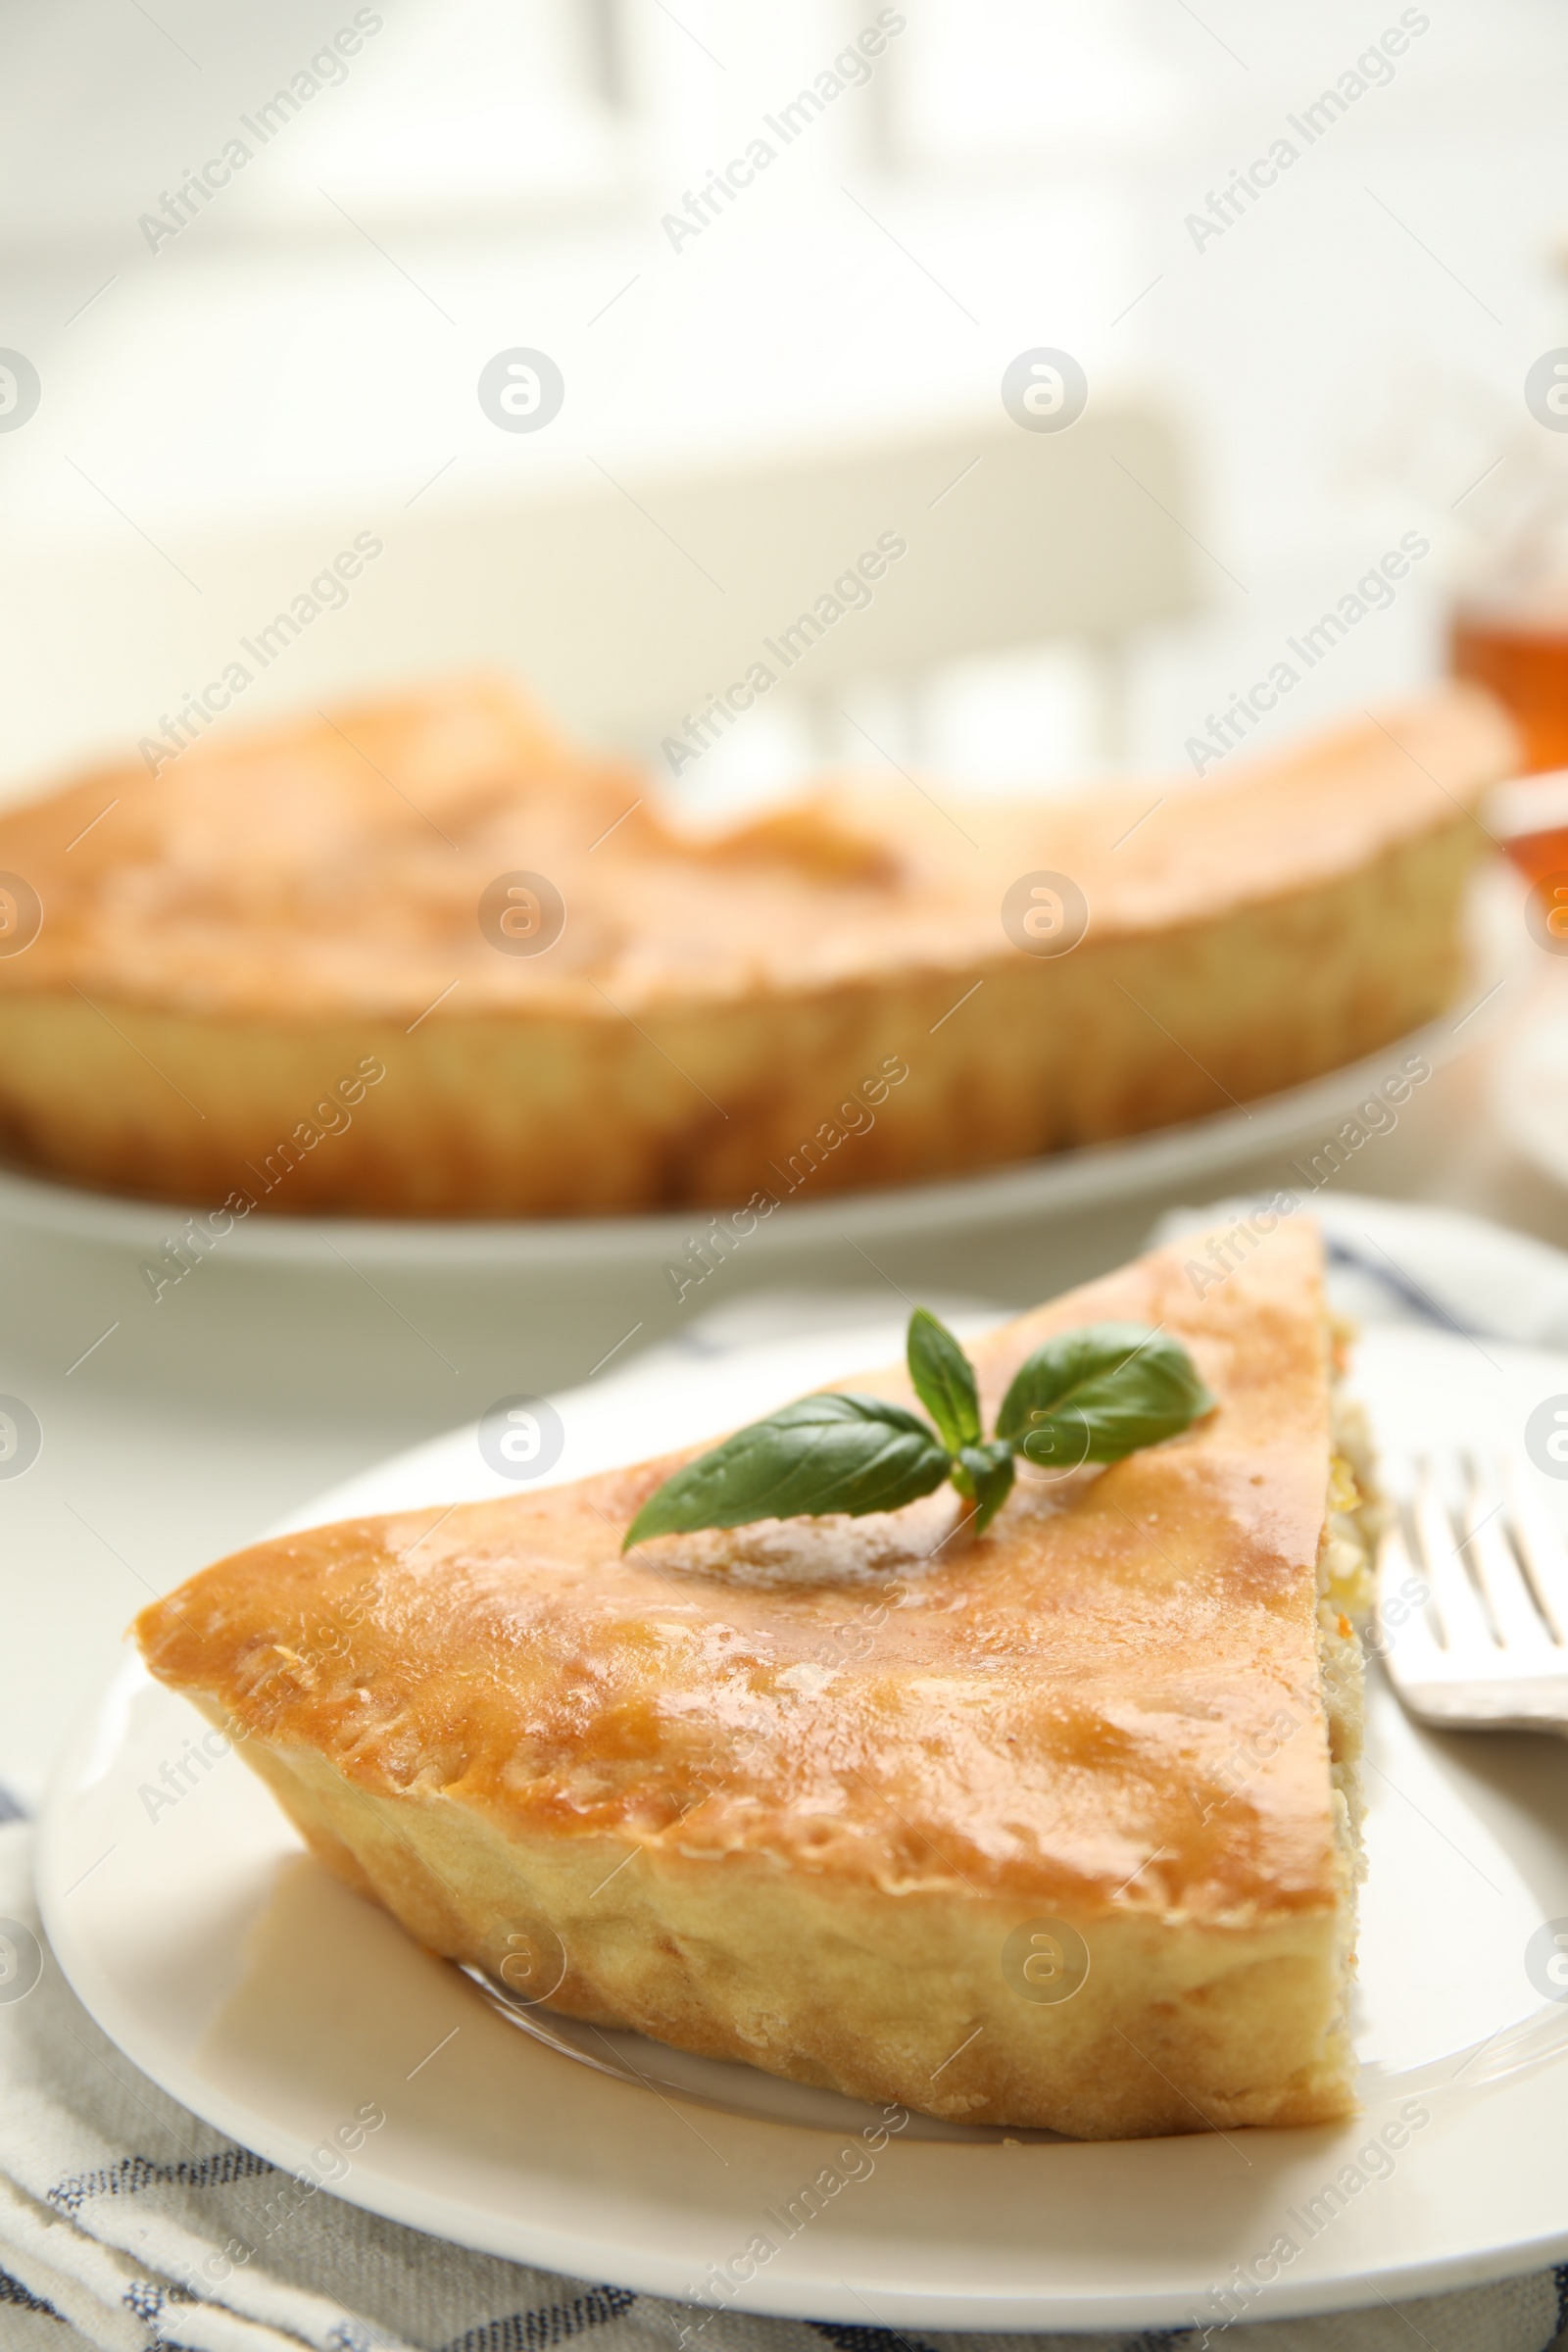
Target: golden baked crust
825 1000
785 1792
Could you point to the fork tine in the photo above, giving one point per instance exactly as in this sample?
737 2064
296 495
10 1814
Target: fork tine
1515 1618
1541 1545
1402 1636
1463 1621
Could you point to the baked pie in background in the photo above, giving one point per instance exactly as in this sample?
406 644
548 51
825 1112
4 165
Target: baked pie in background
424 958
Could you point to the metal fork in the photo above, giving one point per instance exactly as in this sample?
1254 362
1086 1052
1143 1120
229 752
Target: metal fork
1472 1615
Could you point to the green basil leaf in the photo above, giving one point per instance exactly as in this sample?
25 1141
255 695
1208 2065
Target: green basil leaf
1098 1393
989 1473
819 1454
944 1380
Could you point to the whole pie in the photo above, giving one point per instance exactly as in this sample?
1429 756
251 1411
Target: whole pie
1057 1828
423 958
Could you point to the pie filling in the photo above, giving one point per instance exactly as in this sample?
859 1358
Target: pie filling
1346 1563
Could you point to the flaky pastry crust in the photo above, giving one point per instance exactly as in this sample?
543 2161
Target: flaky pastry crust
225 945
801 1795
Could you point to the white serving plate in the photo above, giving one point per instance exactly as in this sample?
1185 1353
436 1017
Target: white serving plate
241 1978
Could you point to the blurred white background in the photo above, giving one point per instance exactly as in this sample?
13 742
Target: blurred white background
300 360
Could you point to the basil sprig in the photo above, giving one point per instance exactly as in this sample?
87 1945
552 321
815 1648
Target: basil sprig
1087 1396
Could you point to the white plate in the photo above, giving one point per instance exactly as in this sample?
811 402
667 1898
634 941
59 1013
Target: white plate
242 1978
1186 1154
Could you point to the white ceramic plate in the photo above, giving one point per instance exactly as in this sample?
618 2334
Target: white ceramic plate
1188 1155
241 1978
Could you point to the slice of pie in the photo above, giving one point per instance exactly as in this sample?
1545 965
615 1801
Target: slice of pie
1057 1830
423 958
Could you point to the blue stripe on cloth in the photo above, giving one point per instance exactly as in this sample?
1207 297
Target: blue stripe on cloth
851 2336
146 2297
135 2172
527 2331
11 2290
1421 1303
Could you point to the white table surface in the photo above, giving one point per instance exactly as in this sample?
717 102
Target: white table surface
199 1421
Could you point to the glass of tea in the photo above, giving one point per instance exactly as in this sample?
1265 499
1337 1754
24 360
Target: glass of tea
1519 649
